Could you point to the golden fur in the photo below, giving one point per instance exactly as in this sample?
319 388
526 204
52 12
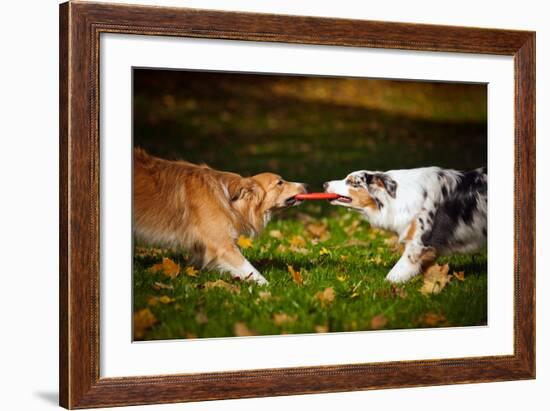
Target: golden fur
202 210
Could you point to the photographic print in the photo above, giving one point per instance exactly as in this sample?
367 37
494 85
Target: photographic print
268 204
235 184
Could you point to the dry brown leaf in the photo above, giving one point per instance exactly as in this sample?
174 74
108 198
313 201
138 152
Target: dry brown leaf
282 249
149 252
276 234
352 228
264 295
223 285
376 260
393 243
143 320
244 242
459 275
167 267
241 330
296 276
326 296
152 301
304 218
161 286
321 328
191 271
355 242
299 250
319 230
190 335
398 291
298 241
432 319
378 322
283 318
201 317
436 278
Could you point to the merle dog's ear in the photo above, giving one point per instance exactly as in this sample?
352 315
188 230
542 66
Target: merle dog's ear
383 181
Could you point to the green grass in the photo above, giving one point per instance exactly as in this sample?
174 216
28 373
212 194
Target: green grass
355 272
309 130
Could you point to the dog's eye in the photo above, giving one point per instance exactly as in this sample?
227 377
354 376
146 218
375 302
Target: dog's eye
280 182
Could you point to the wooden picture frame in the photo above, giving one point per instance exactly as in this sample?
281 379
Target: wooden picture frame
80 27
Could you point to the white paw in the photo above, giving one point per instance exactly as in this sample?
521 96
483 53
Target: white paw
257 278
401 273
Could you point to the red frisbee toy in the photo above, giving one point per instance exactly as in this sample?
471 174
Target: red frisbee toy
317 196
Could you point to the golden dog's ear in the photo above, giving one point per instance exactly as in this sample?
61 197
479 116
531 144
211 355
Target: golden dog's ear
240 188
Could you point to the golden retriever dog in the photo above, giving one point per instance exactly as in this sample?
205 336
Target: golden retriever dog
194 207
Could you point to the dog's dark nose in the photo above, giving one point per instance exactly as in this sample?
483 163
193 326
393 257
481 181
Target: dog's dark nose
306 187
325 185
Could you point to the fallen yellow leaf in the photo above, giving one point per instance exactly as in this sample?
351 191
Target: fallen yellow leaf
326 296
223 285
298 241
244 242
375 260
321 328
264 295
342 278
168 267
165 299
143 320
191 271
435 279
296 276
241 330
324 251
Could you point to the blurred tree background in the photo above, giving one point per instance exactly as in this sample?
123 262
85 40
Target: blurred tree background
308 128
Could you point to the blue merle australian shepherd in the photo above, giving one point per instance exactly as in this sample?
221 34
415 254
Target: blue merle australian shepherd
434 211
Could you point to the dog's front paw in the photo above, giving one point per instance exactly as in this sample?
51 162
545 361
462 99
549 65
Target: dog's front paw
401 273
257 278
